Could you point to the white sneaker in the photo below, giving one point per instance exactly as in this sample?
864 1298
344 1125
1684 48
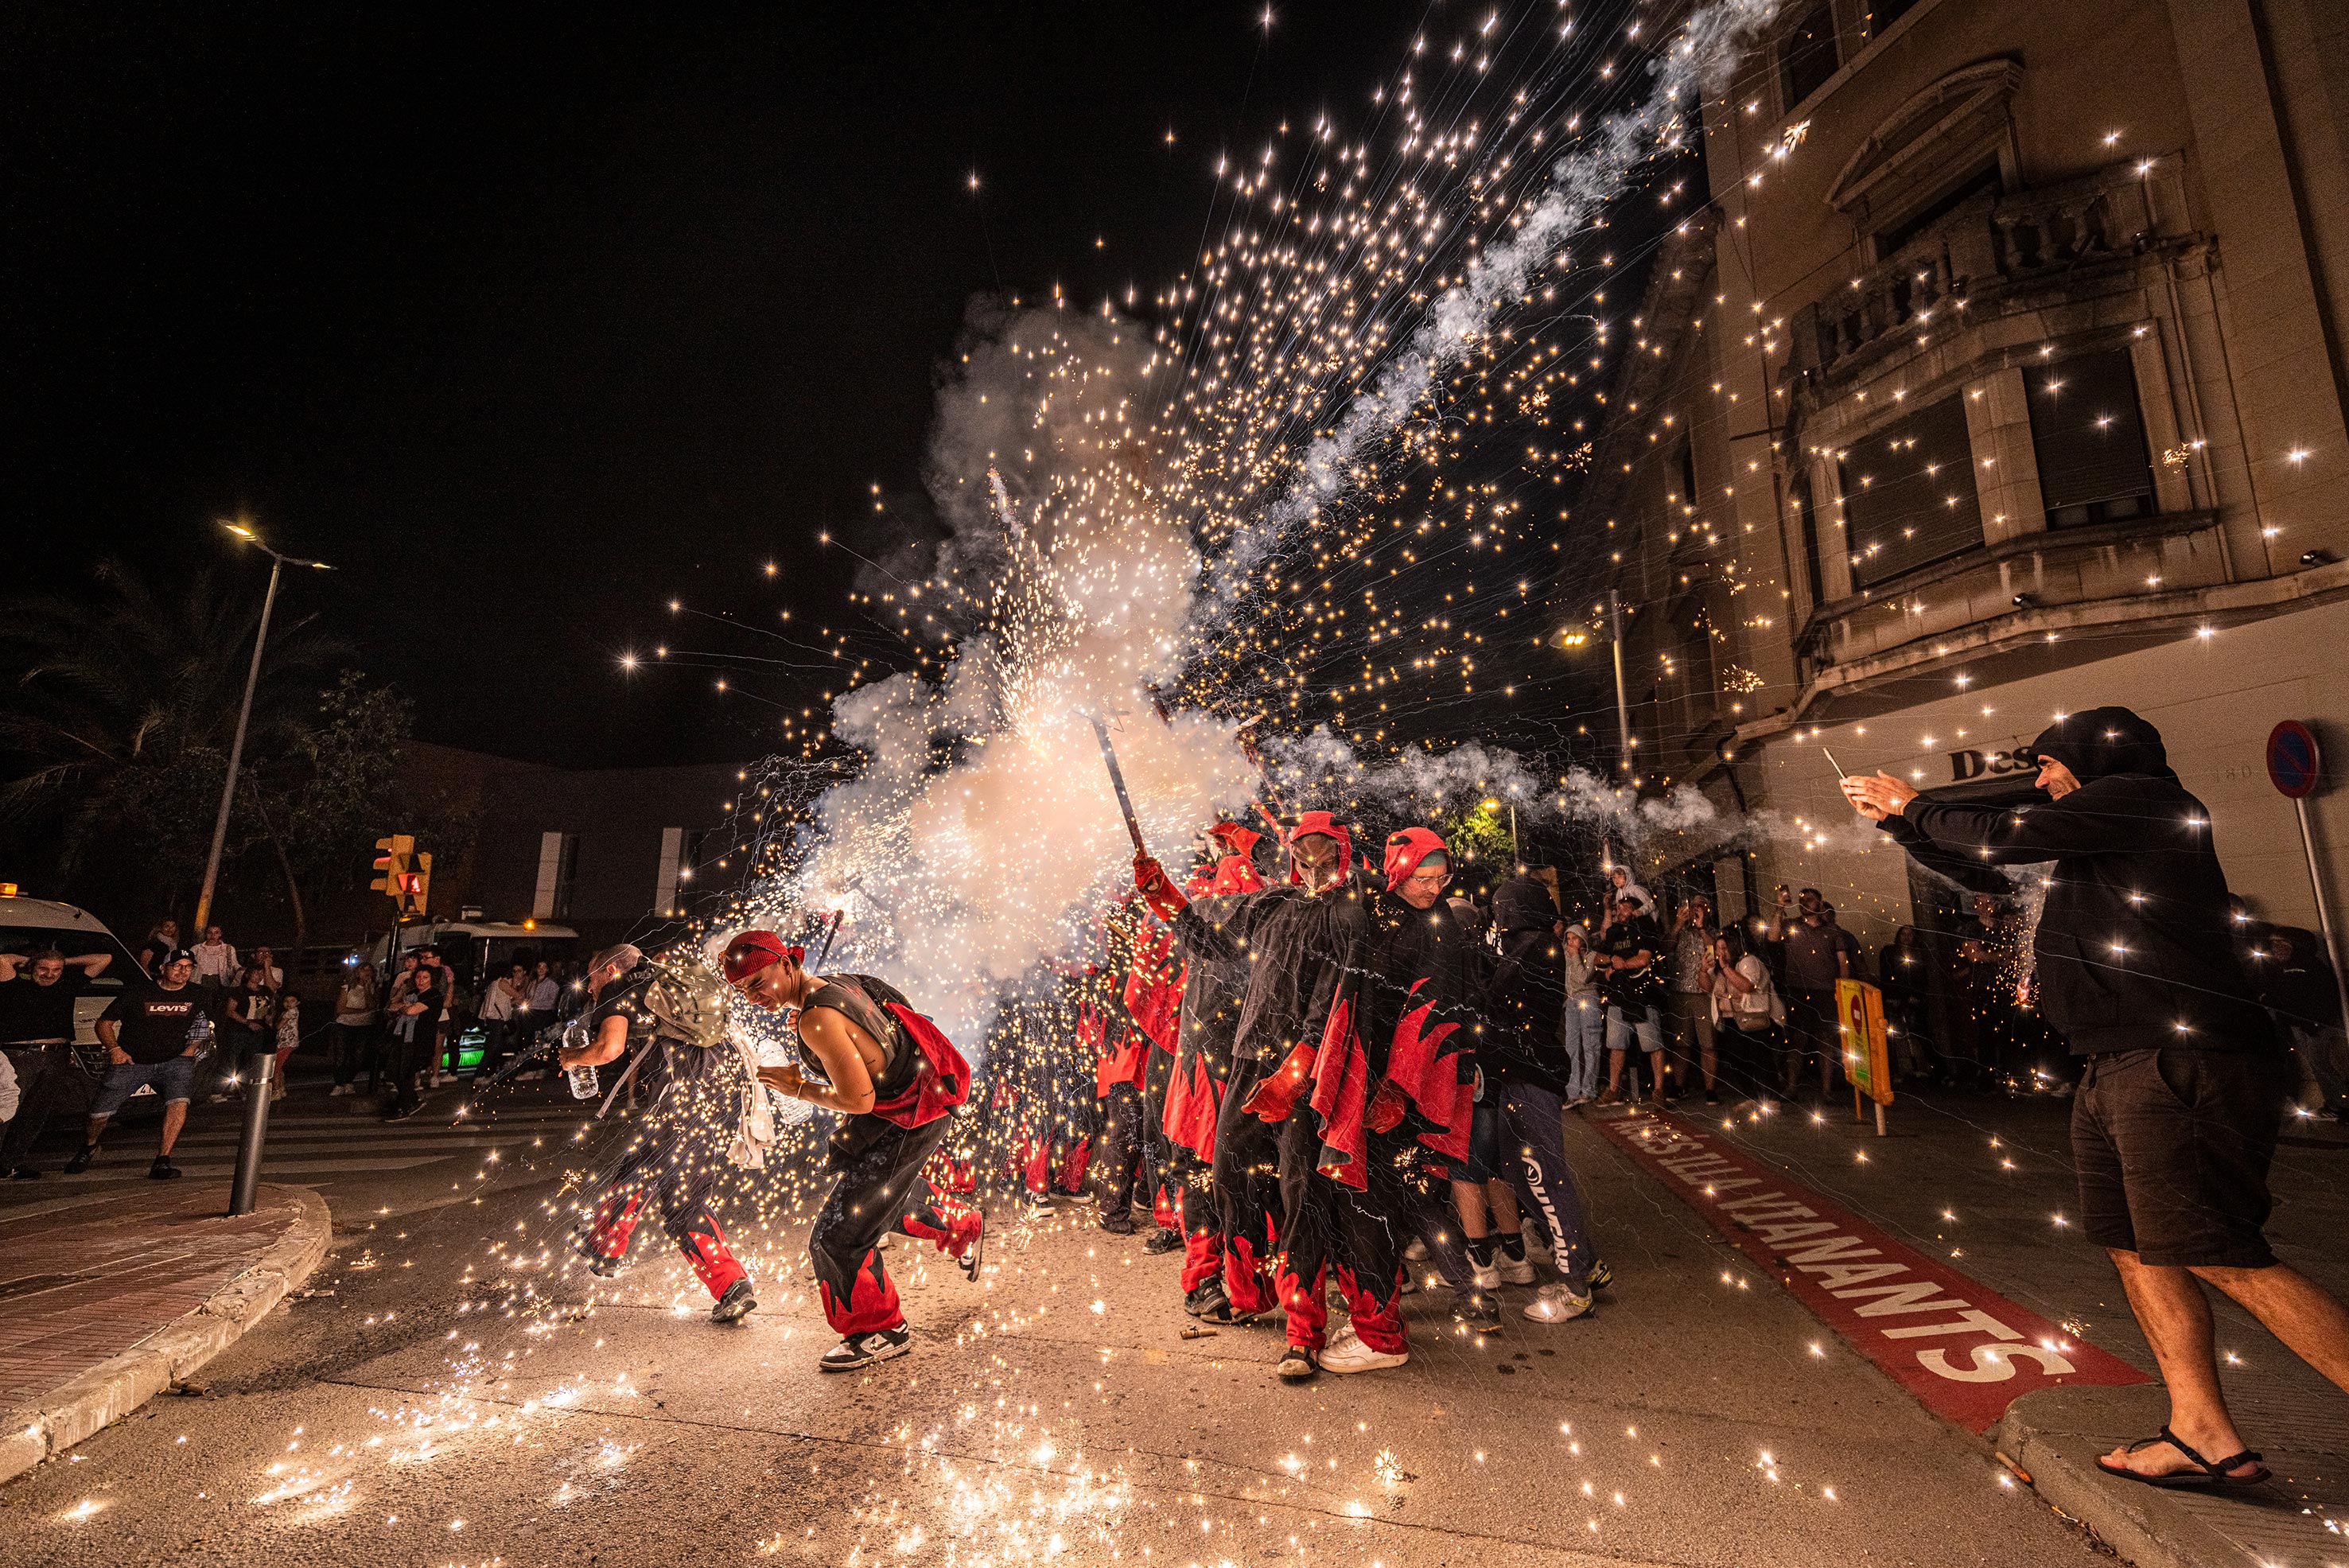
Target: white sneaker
1514 1270
1484 1276
1347 1353
338 1091
1557 1303
1415 1250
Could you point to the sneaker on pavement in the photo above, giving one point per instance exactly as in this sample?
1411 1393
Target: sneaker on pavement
1600 1276
1415 1250
736 1304
1513 1270
1479 1311
25 1173
80 1161
1557 1303
864 1349
1120 1226
974 1252
1206 1296
1346 1353
1166 1238
338 1091
162 1169
1297 1364
1484 1276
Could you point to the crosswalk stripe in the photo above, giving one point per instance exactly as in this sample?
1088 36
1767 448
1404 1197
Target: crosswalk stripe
269 1168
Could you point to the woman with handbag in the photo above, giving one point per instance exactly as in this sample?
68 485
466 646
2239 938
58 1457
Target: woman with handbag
1747 1016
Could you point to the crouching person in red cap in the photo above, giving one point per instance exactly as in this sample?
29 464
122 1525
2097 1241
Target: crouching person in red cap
673 1163
895 1078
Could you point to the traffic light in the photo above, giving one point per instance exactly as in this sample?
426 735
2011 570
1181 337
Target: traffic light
416 887
392 864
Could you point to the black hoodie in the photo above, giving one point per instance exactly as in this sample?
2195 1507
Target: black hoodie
2135 947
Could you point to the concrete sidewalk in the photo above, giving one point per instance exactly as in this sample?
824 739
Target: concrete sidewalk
1986 1184
106 1300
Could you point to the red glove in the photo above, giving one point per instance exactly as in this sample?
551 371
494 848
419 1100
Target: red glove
1157 889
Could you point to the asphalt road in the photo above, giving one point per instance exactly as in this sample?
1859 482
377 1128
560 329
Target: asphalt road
449 1392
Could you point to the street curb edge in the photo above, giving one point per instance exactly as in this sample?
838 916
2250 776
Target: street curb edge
2146 1526
113 1389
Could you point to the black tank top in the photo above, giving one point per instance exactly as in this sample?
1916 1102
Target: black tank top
859 997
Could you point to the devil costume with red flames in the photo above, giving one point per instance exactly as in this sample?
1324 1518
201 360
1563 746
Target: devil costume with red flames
1295 944
672 1164
1192 1098
883 1143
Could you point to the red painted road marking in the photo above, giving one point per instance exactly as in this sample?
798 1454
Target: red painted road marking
1962 1349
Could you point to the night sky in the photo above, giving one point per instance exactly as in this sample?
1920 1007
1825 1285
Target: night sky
529 328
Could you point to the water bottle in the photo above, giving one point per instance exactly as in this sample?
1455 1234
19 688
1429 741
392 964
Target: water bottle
582 1081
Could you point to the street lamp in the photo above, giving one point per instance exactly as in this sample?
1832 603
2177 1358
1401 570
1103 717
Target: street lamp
277 562
257 1071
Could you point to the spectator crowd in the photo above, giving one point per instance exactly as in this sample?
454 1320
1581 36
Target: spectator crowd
198 1012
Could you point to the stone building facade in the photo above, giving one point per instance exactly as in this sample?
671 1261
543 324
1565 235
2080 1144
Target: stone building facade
2003 376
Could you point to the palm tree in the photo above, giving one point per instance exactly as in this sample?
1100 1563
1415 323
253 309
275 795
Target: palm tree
119 719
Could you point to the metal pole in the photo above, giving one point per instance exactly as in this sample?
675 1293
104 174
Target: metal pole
1622 707
2323 909
259 1082
236 756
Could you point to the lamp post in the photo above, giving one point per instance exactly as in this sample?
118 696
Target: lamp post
258 1071
277 562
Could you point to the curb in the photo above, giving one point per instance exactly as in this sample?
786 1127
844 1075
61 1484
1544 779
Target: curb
2053 1435
113 1389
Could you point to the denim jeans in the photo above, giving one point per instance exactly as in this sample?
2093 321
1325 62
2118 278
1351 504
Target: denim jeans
1586 1036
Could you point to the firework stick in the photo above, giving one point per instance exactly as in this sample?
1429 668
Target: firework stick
1117 783
831 929
1833 763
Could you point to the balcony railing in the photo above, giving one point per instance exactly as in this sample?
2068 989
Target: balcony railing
2151 560
1977 251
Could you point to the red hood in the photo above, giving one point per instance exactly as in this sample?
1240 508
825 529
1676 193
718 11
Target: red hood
1406 849
1236 839
1322 822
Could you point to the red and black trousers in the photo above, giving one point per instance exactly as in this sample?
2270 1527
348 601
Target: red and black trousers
672 1172
881 1187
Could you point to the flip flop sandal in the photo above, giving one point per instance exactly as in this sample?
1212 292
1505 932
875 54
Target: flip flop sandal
2211 1476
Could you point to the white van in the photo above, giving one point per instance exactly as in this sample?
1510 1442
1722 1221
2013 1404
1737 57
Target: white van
28 925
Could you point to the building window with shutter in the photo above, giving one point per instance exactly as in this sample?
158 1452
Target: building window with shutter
1807 515
2090 439
1908 494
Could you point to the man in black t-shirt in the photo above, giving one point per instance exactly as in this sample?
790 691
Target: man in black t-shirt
150 1040
37 1030
1633 988
414 1018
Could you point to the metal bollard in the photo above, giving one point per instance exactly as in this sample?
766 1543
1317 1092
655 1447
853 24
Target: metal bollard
260 1079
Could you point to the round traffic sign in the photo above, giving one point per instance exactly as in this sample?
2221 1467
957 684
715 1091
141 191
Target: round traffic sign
2294 765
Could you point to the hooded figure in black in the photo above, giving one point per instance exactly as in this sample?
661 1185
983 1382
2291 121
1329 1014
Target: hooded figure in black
1212 992
1524 1063
2176 1117
2134 947
1297 941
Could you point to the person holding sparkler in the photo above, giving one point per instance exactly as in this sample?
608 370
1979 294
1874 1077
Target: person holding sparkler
893 1077
1213 989
673 1163
1296 943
